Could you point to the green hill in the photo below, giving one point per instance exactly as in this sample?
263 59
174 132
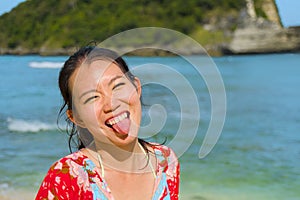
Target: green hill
55 26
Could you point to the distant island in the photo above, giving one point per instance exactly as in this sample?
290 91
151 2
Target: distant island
221 27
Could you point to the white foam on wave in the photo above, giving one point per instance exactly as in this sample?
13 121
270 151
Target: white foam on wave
52 65
20 125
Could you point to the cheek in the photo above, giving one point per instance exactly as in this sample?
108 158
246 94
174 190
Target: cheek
128 95
134 103
133 99
88 114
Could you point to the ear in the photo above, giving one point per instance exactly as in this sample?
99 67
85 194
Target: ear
70 115
138 86
73 119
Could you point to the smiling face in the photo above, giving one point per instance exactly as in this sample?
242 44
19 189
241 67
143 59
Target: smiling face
106 102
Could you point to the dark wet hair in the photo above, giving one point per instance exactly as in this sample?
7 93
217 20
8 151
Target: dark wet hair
85 54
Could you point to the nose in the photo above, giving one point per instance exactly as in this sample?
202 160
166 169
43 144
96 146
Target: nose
110 104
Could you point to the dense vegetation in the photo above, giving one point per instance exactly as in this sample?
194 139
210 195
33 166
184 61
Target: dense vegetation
258 8
37 24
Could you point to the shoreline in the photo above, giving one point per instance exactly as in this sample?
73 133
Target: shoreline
9 193
147 53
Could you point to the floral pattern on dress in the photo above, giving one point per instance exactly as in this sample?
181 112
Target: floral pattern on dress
76 177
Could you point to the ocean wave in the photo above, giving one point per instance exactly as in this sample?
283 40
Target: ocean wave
52 65
20 125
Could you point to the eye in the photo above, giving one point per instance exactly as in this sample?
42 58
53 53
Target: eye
118 85
91 99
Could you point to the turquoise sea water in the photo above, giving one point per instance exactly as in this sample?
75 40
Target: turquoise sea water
256 157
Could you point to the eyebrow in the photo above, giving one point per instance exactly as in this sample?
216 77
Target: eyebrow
113 79
94 90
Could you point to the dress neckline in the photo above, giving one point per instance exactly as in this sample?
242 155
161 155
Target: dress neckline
92 166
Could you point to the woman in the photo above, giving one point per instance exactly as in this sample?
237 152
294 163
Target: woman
102 103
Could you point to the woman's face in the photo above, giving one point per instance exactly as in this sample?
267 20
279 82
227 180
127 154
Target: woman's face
106 102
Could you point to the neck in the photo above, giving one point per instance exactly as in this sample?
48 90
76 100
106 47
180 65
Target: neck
118 153
130 158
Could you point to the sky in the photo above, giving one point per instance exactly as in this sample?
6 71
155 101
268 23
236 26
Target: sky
288 10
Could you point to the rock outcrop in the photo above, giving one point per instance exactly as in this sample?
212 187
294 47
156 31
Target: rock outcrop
270 8
264 40
259 35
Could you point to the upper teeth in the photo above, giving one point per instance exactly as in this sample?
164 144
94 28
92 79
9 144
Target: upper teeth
117 119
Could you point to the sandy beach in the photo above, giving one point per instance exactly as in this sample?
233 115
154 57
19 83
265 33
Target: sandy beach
13 194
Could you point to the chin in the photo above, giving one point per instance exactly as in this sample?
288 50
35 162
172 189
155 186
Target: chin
125 142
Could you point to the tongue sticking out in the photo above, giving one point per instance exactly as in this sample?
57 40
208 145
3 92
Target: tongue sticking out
122 126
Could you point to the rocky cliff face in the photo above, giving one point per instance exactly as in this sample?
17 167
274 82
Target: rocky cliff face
264 40
270 8
260 35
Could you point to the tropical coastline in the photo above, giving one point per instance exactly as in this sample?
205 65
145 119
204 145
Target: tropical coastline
232 27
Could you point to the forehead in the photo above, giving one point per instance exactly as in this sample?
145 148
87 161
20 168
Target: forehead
99 69
89 76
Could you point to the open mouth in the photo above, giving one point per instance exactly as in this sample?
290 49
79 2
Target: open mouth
119 123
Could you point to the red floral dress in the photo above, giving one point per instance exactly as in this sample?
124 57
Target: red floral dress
77 177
